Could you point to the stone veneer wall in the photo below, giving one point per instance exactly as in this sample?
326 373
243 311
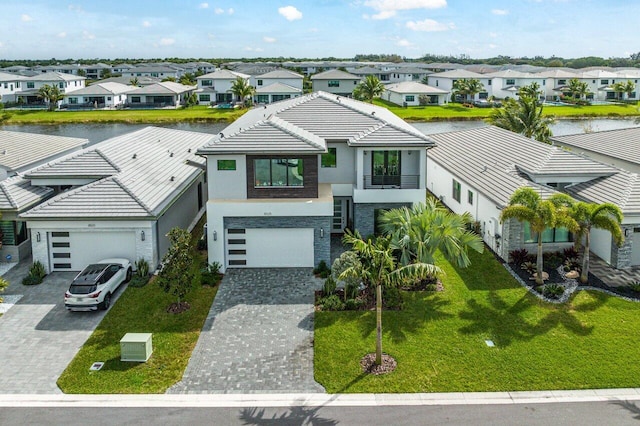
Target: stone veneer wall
321 244
364 215
621 256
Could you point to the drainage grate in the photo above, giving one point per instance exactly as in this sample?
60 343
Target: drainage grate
96 366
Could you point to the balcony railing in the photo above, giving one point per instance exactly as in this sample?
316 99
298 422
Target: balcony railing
391 182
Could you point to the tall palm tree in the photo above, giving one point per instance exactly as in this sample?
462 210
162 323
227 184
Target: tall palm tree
418 232
242 90
578 88
474 86
531 91
629 88
369 89
378 268
51 95
134 81
523 116
460 87
526 205
588 216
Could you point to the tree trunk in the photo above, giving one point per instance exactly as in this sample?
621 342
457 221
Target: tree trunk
379 324
584 275
539 268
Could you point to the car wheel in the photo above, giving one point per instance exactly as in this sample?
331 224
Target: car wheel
129 274
106 302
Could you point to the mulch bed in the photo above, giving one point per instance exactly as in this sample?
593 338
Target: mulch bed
178 308
368 364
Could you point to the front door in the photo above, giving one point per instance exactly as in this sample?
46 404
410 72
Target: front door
385 167
340 215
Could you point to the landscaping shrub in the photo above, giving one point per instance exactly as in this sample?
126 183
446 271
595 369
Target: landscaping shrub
570 253
518 256
142 267
36 274
352 305
139 280
329 286
530 267
351 290
552 259
322 270
201 244
210 274
572 264
346 260
331 303
553 290
634 286
3 285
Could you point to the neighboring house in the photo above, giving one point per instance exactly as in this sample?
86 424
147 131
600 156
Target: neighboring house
64 82
409 93
601 83
159 95
408 74
142 81
505 84
117 198
280 75
198 67
20 152
10 86
215 87
96 71
556 82
158 71
445 80
276 86
284 177
478 170
363 72
100 95
336 82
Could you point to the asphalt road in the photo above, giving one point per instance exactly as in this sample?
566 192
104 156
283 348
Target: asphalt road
580 413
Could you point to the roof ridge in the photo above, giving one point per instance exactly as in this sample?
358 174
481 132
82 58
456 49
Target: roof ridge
131 194
7 194
633 177
105 158
289 128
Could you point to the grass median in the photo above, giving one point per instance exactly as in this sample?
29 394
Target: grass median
438 339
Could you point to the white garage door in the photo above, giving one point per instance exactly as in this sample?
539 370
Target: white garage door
270 248
72 251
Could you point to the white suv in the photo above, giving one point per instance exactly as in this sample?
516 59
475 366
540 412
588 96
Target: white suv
92 288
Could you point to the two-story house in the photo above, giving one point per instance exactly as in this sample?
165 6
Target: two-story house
445 81
10 85
277 85
284 177
64 82
215 87
335 81
507 83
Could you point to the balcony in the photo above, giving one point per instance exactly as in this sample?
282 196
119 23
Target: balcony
391 182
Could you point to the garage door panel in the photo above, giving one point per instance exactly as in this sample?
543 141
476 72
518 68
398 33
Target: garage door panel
273 248
78 249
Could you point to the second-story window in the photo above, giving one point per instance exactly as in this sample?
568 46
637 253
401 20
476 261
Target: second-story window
334 83
207 83
278 172
259 82
511 82
329 159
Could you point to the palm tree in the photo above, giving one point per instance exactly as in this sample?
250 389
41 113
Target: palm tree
242 90
531 91
526 205
368 89
629 88
187 79
600 216
378 268
51 95
523 116
418 232
460 88
619 88
578 88
134 81
474 86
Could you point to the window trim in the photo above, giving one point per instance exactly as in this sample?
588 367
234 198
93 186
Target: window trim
278 160
456 191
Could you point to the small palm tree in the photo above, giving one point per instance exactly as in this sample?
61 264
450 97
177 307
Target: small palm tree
629 88
474 86
526 205
378 268
369 89
578 88
51 95
134 81
600 216
242 90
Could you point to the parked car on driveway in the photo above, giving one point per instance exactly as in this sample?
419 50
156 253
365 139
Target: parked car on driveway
92 288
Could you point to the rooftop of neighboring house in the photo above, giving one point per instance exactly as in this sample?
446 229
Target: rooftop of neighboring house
222 74
137 175
17 194
162 88
414 87
142 80
305 123
281 73
511 74
103 88
8 77
334 75
621 189
56 76
623 144
20 150
457 73
278 87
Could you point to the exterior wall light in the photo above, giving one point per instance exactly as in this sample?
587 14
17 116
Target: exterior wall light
38 236
627 232
321 232
142 236
215 235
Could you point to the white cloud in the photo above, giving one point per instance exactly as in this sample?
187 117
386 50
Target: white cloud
404 43
492 46
230 11
166 41
26 18
269 39
430 25
87 35
387 8
493 35
62 34
253 49
500 11
203 6
146 24
290 13
218 11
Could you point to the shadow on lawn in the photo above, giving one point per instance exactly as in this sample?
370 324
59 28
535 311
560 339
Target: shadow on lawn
505 323
485 273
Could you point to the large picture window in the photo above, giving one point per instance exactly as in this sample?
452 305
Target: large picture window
549 235
278 172
334 83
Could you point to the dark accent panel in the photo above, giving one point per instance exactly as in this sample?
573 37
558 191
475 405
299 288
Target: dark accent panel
237 241
309 190
62 265
59 245
59 234
237 262
62 255
236 231
237 252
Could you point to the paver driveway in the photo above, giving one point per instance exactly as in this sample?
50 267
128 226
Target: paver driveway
39 337
258 337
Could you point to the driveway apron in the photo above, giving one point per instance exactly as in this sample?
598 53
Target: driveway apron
39 337
258 337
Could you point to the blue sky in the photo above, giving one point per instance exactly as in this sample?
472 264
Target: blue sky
40 29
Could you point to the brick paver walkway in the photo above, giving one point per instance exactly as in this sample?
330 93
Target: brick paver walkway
258 337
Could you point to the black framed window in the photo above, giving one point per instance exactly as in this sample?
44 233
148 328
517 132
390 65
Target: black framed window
457 189
470 197
330 158
278 172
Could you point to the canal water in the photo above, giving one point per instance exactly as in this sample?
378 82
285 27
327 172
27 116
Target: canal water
99 132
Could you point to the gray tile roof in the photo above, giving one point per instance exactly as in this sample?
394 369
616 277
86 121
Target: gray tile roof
281 73
222 75
334 75
84 164
56 76
102 88
622 189
162 88
457 73
414 87
492 159
19 150
622 144
330 117
278 88
154 165
17 194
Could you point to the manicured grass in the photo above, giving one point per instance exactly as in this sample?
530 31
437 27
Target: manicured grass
438 339
459 112
140 310
198 113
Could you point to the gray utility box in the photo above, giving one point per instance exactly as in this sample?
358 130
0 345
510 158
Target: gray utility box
136 347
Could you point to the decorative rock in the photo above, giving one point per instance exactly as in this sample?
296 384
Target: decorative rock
545 276
572 275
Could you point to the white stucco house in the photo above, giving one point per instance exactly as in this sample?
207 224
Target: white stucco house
410 93
276 86
505 84
284 177
99 95
64 82
335 81
478 170
445 81
215 87
10 86
117 198
166 94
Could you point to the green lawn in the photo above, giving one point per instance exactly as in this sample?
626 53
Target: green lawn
459 112
198 113
438 339
140 310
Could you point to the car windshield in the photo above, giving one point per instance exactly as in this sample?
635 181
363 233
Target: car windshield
82 288
90 274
